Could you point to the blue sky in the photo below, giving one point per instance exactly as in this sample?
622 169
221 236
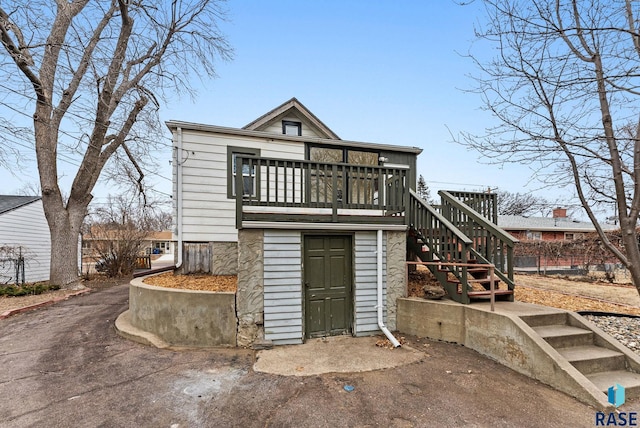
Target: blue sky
373 71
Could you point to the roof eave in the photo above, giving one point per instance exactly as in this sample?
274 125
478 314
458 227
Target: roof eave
173 124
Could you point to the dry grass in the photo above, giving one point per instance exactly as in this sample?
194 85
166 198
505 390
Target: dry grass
553 291
571 302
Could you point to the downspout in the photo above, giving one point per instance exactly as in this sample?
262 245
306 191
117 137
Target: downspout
384 329
179 196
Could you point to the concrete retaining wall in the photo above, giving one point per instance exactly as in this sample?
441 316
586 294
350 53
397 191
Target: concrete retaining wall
500 335
183 317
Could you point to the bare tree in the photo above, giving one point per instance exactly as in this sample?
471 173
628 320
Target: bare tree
94 73
159 220
520 204
564 85
117 232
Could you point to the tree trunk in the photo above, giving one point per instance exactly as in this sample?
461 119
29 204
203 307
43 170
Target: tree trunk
630 241
64 225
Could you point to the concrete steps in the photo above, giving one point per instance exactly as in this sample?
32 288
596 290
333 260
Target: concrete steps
562 336
593 359
630 381
600 362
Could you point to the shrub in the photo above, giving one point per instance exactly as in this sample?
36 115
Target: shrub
27 289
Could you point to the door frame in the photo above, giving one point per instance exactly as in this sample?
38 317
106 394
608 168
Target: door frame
351 299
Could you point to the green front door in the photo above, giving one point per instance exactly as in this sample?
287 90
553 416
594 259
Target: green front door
328 285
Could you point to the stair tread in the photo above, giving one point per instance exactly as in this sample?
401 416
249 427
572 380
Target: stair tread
478 270
488 292
583 353
483 280
603 380
474 280
556 330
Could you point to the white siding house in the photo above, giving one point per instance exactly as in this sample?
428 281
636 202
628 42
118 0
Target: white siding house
24 230
316 204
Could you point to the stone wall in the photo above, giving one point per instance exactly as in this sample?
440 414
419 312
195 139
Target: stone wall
250 294
396 275
224 258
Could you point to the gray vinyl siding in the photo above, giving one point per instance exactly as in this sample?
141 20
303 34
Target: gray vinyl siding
283 287
208 214
26 227
366 315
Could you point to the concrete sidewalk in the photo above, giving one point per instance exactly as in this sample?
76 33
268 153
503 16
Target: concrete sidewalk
337 354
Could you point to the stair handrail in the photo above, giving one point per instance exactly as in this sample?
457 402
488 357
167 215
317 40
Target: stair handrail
511 285
499 237
442 219
490 267
456 246
478 217
482 202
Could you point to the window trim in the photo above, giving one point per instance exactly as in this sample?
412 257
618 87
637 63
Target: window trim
286 123
231 150
345 151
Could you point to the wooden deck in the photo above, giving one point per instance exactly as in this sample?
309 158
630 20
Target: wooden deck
279 190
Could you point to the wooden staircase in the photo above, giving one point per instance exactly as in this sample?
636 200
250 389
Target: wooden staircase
597 360
480 284
461 261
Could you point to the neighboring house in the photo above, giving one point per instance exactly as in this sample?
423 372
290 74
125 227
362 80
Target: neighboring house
159 243
557 229
319 231
98 239
24 232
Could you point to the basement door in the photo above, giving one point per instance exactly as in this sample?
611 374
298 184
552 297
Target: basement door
328 281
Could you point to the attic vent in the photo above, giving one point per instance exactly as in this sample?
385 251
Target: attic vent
290 127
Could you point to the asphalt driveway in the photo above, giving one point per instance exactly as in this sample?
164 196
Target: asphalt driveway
64 365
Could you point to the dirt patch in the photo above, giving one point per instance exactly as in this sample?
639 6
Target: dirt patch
422 283
228 283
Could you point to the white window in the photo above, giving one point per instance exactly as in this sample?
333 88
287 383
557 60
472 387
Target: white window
247 169
291 128
248 176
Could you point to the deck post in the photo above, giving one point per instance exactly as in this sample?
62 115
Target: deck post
239 192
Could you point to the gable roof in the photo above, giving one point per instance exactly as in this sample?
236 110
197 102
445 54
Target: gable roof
292 107
11 202
546 224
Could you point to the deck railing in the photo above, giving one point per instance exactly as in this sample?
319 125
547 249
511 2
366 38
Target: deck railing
446 245
483 203
329 188
490 243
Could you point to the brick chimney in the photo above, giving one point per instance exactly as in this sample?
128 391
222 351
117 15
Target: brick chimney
559 212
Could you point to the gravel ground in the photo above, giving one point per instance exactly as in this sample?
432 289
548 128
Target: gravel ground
625 329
